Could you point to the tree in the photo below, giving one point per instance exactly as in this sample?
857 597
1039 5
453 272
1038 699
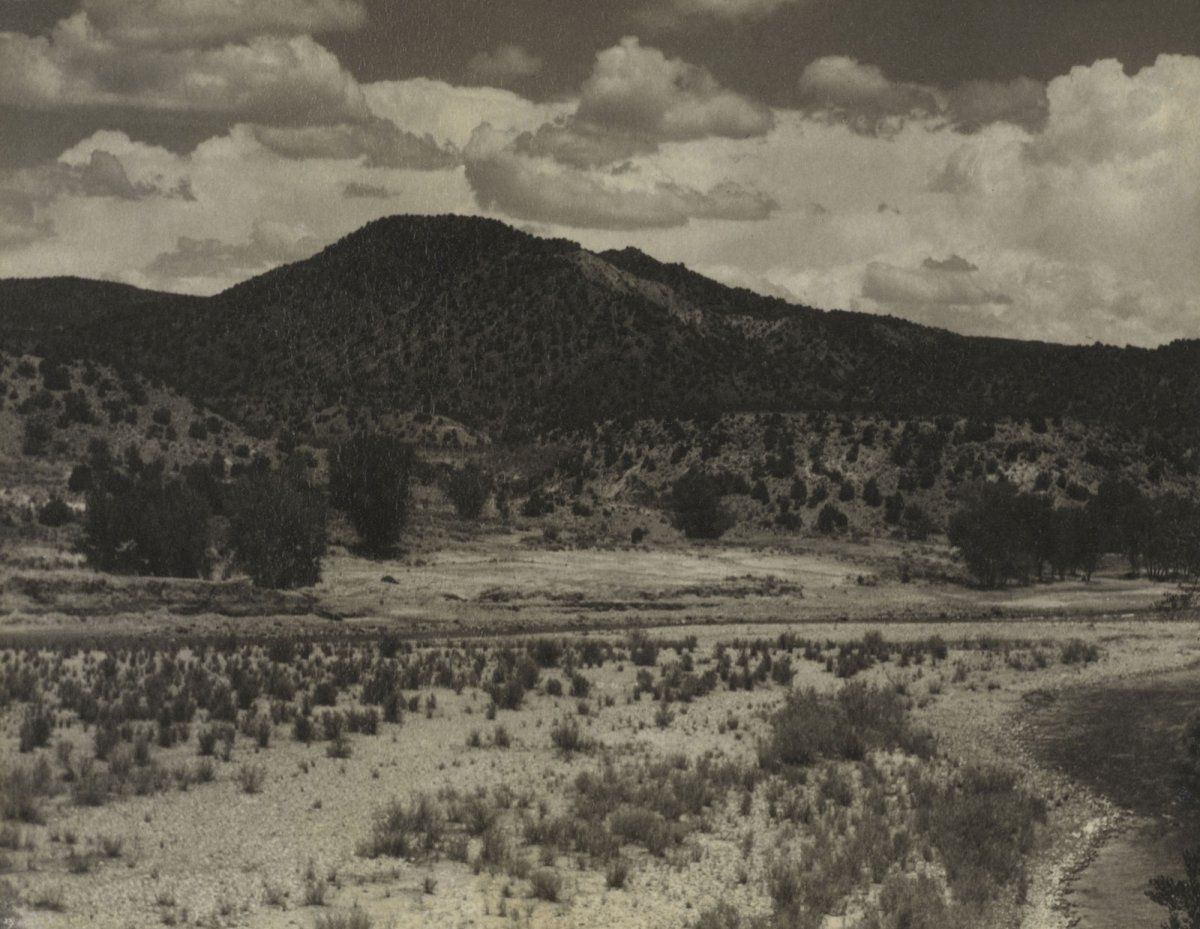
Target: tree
39 431
277 529
695 502
871 495
146 525
468 488
989 532
831 519
1181 897
369 479
55 512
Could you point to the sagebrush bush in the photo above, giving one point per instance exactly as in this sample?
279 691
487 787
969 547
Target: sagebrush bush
982 825
845 725
406 830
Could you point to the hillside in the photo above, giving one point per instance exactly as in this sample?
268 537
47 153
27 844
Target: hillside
33 310
53 416
462 333
504 331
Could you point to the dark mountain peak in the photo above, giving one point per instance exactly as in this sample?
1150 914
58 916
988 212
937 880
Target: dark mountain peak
445 235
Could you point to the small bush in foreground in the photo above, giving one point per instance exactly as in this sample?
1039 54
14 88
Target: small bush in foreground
406 830
846 725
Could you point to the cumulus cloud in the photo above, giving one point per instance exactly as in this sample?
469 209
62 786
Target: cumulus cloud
25 195
927 285
865 99
639 90
269 244
503 65
379 141
636 99
540 191
182 23
269 78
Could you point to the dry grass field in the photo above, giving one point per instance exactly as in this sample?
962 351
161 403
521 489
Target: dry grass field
502 730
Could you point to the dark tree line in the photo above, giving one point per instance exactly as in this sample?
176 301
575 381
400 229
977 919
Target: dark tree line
139 520
1010 536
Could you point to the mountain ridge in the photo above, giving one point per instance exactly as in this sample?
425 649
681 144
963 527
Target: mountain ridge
519 334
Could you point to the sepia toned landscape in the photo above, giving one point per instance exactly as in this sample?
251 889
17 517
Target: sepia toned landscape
634 464
395 668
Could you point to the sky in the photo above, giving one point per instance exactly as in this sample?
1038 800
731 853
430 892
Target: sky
1020 168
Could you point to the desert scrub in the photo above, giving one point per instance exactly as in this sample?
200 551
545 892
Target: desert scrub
406 830
355 918
567 736
546 884
983 824
250 778
846 725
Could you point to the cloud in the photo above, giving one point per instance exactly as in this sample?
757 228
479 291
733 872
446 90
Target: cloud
26 194
379 141
184 23
503 65
268 79
354 190
102 175
927 285
540 191
953 263
865 99
669 12
637 99
269 244
639 90
20 223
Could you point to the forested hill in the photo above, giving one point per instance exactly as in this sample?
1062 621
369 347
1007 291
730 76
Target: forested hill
514 334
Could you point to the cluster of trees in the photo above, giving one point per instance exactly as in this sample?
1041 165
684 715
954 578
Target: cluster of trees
1006 535
139 520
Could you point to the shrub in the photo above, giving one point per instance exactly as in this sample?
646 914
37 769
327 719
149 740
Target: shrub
1189 764
406 830
80 479
55 512
468 489
39 431
36 725
982 827
277 529
1180 896
830 519
250 778
567 737
354 918
846 725
695 504
547 884
369 479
